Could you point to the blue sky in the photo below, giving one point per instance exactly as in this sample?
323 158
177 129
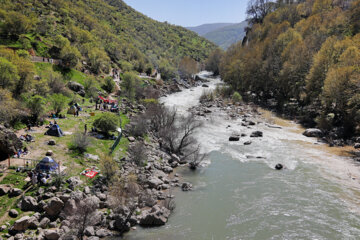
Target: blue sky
189 13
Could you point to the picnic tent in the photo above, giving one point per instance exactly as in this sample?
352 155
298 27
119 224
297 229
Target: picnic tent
55 131
47 164
72 110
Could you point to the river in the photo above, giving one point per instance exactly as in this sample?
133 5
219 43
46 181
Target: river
238 194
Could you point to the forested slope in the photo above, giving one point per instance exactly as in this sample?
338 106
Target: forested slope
96 31
305 58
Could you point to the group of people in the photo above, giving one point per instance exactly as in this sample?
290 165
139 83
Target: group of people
26 138
77 110
20 152
116 73
39 177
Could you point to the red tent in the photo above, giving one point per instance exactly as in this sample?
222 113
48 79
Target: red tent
107 100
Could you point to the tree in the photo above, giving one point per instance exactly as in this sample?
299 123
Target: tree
187 67
84 215
167 71
70 56
138 154
213 62
58 102
109 85
258 9
9 107
106 122
36 105
8 74
129 84
15 24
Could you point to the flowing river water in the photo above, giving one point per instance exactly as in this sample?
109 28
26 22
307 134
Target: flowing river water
238 195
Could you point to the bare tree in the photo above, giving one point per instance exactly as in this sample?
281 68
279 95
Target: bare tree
196 158
122 200
84 215
138 153
179 136
258 9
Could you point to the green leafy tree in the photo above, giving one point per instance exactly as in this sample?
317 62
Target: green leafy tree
14 24
58 102
109 85
8 74
36 105
129 84
213 62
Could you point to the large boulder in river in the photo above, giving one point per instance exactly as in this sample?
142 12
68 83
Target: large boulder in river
157 216
9 143
313 132
234 138
256 134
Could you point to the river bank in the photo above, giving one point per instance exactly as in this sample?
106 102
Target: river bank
238 194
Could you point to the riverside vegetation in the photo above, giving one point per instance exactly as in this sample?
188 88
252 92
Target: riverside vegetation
54 54
300 58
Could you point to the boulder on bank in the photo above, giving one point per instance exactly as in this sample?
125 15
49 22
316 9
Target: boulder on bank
313 132
76 87
4 189
28 204
54 206
9 143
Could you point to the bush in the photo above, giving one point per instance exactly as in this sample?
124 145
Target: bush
236 97
138 153
108 167
80 142
106 122
138 127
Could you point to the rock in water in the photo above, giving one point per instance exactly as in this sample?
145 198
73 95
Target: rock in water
234 138
256 134
313 132
279 166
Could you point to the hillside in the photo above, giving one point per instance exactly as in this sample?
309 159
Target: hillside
206 28
303 59
97 32
226 36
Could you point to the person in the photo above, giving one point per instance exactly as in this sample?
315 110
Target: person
85 127
33 178
19 153
74 113
77 112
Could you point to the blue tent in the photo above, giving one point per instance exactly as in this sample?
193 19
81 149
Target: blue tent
55 131
47 164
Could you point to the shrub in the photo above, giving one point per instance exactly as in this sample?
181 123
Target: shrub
236 97
108 166
106 122
80 142
138 153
